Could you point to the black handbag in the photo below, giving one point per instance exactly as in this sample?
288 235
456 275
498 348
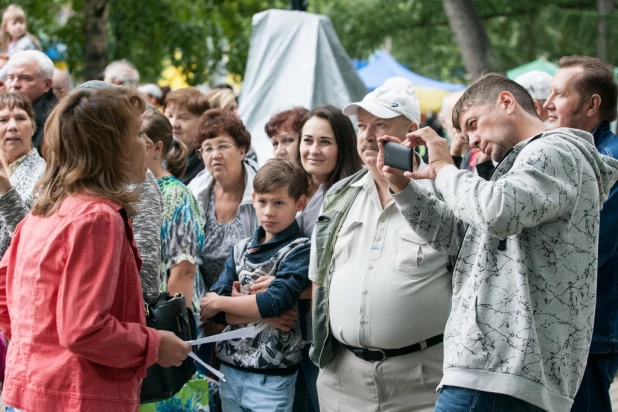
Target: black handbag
168 313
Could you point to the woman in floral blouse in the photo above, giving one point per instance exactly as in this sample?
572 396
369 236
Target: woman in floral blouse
182 231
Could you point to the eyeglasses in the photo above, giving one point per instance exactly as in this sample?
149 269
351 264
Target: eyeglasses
209 150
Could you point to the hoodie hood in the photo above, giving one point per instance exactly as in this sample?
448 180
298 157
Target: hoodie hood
605 167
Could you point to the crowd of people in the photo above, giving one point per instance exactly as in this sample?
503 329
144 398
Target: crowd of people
484 279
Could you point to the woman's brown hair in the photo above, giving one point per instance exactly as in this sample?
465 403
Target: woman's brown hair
85 145
194 101
348 160
159 129
16 100
218 122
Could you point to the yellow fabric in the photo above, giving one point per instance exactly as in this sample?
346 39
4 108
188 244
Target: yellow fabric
430 99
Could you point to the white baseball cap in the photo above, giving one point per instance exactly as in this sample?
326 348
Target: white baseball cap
386 103
536 83
151 89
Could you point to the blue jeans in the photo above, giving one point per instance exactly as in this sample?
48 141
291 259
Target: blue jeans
11 409
456 399
593 394
256 392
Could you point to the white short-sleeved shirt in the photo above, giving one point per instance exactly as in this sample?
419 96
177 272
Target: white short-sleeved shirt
389 289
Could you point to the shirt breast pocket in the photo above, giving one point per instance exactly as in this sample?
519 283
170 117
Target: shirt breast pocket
409 252
346 241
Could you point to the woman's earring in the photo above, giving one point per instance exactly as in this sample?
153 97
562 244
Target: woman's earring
155 158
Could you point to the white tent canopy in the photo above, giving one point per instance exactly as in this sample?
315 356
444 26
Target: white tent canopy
295 59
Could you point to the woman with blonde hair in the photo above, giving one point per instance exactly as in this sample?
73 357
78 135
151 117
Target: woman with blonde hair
223 98
70 295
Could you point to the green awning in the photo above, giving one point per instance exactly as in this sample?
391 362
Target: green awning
539 64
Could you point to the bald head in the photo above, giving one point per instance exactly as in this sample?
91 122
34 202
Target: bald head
61 83
121 73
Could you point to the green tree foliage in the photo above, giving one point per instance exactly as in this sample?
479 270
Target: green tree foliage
197 36
419 35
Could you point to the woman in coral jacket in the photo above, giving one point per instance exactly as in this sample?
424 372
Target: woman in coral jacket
70 295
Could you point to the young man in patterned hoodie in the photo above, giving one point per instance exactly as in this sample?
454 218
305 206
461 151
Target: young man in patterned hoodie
261 370
524 282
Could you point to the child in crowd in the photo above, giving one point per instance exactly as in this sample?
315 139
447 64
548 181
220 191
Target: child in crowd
261 371
15 36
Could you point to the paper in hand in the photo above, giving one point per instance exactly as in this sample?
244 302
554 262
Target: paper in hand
235 334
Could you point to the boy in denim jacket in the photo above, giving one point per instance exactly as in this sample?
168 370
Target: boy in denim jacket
261 371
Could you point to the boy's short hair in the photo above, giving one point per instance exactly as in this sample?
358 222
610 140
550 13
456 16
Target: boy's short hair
278 173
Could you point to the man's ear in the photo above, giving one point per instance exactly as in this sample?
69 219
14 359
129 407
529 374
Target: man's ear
594 105
507 102
48 84
301 203
412 127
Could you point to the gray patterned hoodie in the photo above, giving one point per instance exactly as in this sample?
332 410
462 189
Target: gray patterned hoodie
524 283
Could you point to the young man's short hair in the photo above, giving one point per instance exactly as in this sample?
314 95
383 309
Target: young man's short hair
280 173
486 90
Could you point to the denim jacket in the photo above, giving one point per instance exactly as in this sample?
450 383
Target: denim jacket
605 333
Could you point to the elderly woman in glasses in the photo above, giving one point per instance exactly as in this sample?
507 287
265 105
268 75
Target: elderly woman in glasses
223 191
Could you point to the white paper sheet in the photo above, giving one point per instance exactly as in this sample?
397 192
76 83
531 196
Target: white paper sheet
235 334
207 366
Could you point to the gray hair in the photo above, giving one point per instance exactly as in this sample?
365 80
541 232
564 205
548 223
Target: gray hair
44 63
123 72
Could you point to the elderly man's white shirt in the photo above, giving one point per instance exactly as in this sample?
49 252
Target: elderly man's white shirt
389 288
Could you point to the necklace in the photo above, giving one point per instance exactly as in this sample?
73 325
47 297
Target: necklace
234 210
387 201
230 215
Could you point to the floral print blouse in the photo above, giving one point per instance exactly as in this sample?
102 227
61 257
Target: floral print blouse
182 230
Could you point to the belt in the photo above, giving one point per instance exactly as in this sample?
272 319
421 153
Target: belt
378 355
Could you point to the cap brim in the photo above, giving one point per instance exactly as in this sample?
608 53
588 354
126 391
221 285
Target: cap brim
373 108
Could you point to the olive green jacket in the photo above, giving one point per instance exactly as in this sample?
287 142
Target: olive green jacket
337 204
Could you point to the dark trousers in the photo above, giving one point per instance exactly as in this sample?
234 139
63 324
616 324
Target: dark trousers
593 394
306 396
456 399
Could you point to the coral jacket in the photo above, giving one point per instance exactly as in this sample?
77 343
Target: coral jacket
71 305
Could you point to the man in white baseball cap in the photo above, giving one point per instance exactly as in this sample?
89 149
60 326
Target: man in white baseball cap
381 294
387 103
537 84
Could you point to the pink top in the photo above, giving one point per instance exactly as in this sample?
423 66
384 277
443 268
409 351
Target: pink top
71 305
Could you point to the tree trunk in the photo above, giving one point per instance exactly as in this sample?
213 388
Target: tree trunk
95 46
478 53
300 5
604 9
